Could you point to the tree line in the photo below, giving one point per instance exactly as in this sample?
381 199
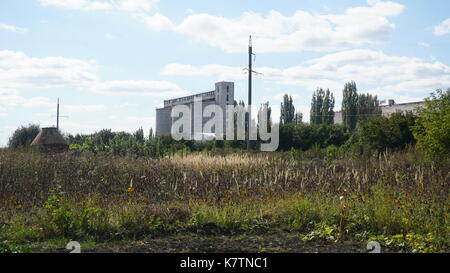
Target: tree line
362 125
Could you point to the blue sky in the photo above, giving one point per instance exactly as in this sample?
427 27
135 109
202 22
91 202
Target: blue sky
112 62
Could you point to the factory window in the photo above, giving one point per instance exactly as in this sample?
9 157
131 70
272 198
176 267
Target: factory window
228 98
228 88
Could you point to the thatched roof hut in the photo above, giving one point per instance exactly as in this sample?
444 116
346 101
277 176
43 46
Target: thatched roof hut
50 140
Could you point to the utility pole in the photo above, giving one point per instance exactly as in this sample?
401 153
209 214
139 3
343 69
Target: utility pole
57 115
250 72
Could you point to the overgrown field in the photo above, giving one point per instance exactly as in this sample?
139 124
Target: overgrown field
398 199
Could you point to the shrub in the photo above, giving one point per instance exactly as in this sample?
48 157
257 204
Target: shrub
381 133
433 125
23 136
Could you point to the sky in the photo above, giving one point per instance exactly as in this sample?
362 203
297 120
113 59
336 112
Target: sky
113 62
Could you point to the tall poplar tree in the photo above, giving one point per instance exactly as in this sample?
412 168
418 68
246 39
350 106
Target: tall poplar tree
287 110
350 105
322 107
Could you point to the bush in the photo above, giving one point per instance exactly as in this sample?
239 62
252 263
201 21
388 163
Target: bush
23 136
381 133
432 130
304 136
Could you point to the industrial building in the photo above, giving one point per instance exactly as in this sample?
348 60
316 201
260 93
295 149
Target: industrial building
389 109
222 95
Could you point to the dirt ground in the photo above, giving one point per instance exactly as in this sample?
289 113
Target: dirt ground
273 243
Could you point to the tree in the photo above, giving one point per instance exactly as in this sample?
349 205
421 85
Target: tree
328 108
316 106
23 136
393 132
368 106
432 129
322 107
298 118
305 136
139 135
350 105
297 136
102 139
150 134
265 109
287 110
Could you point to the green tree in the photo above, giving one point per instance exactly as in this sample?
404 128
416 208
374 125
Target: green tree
328 108
322 107
265 109
23 136
298 118
287 110
150 134
432 129
393 132
102 139
368 106
350 105
316 107
139 135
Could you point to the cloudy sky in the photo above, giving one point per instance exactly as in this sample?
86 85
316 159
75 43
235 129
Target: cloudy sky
112 62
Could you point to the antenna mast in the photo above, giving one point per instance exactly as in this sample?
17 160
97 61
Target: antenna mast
250 53
57 115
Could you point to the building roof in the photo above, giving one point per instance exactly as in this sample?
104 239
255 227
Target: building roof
406 103
188 98
49 137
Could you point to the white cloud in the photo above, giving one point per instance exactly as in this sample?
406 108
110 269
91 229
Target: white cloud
109 36
136 5
132 123
38 102
83 108
121 5
77 4
138 88
12 28
17 70
276 32
156 22
10 99
373 2
394 75
423 44
443 28
222 72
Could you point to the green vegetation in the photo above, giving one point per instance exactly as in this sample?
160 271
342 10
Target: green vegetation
433 125
102 198
322 105
326 183
357 107
381 133
287 110
23 136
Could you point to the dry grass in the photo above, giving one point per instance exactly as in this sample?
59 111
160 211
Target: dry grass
99 195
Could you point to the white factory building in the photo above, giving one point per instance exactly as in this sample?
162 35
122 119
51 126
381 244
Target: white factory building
222 95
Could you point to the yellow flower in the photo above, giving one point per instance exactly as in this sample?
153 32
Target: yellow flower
405 221
131 189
